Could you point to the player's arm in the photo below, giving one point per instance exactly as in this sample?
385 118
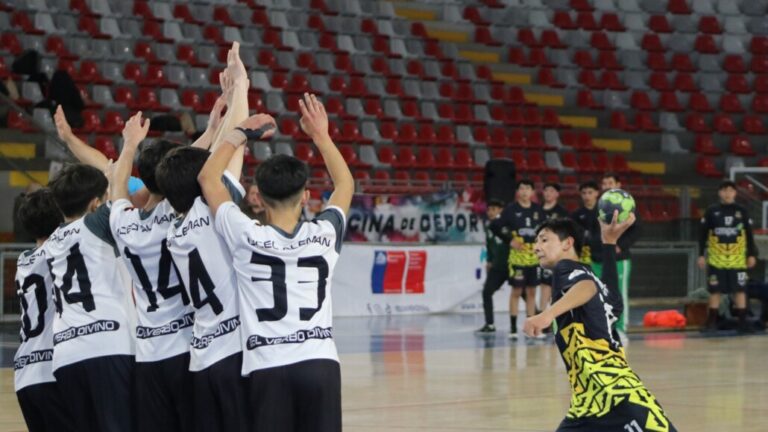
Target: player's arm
133 133
259 126
314 122
629 238
611 233
497 225
82 151
578 295
214 122
703 235
752 251
235 84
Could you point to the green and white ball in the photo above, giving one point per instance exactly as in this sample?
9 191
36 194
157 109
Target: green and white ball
612 200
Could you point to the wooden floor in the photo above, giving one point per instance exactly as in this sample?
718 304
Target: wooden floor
704 384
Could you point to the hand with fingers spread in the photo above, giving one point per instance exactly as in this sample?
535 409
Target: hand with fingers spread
135 130
314 119
62 126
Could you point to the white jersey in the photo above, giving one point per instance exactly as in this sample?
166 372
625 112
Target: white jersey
165 315
33 363
285 286
94 312
205 265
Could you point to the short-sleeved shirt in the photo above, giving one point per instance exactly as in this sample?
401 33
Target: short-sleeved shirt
728 233
165 315
95 316
33 363
598 371
285 286
555 212
521 223
205 265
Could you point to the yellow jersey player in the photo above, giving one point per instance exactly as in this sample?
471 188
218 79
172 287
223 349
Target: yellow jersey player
607 395
517 226
726 237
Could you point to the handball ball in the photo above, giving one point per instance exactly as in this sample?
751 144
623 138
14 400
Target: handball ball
612 200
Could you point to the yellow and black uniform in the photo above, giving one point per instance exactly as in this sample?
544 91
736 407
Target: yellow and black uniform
726 236
606 394
555 212
519 223
588 220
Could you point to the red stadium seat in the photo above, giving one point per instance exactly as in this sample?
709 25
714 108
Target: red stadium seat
706 44
710 25
658 81
678 7
106 147
734 64
738 84
696 123
684 82
526 37
599 40
659 24
703 145
182 12
644 122
608 60
610 22
706 167
657 62
754 125
698 102
668 102
651 42
759 45
730 103
740 146
562 19
640 100
550 39
586 21
681 62
724 124
760 103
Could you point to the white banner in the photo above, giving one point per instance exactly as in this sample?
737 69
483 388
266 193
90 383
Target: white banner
383 280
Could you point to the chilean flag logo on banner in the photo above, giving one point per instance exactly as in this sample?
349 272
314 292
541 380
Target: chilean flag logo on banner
398 272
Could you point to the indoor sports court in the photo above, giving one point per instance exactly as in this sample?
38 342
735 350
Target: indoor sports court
429 373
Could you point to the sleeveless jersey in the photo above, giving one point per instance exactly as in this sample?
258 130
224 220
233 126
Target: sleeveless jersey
205 265
94 312
285 286
165 315
33 363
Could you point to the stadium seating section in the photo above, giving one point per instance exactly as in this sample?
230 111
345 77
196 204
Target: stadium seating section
422 94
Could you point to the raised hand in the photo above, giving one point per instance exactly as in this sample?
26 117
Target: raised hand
259 126
62 126
235 66
134 131
314 119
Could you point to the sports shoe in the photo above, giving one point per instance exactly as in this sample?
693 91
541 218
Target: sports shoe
513 335
486 329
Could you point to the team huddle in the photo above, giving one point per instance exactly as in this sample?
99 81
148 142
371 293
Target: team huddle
228 324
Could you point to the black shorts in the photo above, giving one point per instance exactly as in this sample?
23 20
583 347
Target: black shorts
43 408
624 417
301 397
164 395
726 281
523 277
220 399
99 393
546 277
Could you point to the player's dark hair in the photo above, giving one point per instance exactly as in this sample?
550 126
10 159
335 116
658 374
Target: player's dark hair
726 184
589 185
75 186
39 214
280 179
555 186
150 156
525 182
612 175
564 228
176 176
495 202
